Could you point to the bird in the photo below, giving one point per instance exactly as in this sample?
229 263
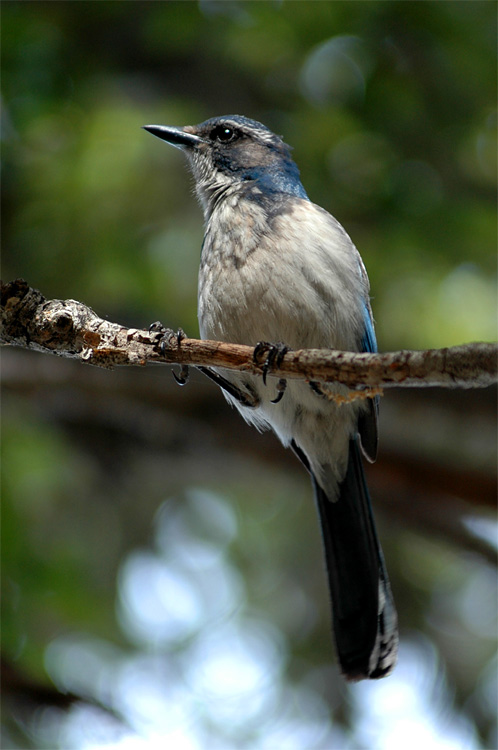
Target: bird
278 271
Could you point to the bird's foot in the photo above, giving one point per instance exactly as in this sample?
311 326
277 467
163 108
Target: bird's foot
166 338
248 398
273 355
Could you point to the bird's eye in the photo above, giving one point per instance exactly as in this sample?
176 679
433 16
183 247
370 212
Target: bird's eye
223 134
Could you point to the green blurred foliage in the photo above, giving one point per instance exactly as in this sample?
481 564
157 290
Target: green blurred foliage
390 107
50 582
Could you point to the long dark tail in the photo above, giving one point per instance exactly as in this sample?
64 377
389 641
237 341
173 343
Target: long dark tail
363 611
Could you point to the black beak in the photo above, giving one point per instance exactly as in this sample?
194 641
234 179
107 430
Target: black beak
176 136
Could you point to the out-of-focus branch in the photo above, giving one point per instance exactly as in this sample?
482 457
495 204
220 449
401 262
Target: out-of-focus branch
71 329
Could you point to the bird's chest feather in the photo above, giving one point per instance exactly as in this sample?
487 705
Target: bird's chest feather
237 276
277 277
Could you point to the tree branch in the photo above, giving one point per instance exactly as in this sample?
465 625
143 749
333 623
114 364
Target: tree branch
70 329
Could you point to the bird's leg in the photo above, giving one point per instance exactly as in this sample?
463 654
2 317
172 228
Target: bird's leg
274 354
165 337
245 398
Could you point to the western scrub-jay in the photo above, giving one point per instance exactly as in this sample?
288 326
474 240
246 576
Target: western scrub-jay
275 267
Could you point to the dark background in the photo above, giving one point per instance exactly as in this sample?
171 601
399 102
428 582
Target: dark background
162 571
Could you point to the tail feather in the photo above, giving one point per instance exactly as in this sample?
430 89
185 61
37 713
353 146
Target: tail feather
363 612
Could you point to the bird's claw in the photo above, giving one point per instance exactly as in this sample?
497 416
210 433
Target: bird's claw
161 331
273 356
183 375
281 386
166 337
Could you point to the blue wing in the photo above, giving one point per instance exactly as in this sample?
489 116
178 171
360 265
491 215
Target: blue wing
367 424
368 342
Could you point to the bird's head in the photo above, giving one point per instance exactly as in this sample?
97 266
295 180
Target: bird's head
232 153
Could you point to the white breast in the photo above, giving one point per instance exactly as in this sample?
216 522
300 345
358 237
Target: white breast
298 279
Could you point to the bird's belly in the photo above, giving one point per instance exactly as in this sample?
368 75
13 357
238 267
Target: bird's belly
256 299
260 301
319 426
